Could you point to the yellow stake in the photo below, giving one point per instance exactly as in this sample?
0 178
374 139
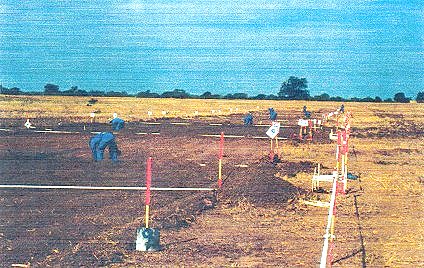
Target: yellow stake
333 220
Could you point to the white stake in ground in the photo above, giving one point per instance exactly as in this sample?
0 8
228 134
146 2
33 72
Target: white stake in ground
272 132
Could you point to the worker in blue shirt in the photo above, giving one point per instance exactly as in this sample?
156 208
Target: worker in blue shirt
306 113
98 144
272 114
248 119
117 123
341 110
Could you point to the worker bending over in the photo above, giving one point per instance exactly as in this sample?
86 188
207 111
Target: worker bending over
100 142
248 119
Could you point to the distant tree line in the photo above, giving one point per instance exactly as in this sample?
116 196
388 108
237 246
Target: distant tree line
293 89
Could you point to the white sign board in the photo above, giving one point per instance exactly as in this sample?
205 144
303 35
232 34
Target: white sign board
273 130
303 123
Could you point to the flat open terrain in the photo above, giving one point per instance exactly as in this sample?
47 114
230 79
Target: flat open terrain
257 219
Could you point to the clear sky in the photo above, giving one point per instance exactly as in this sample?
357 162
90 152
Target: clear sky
346 48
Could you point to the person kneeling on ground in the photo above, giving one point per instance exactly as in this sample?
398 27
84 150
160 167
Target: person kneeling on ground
117 123
248 119
98 144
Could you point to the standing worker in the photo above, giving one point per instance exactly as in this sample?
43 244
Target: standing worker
272 114
341 110
306 113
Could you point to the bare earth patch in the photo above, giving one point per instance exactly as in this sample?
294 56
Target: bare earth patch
256 220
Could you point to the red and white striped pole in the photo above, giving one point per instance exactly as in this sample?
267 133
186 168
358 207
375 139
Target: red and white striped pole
345 151
221 153
148 184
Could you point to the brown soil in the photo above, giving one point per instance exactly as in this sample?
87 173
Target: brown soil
254 220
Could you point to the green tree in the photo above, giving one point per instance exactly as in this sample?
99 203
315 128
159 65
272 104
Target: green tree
75 91
294 89
176 93
260 97
236 96
10 91
367 99
209 95
378 99
116 94
147 94
400 97
420 97
51 89
96 93
322 97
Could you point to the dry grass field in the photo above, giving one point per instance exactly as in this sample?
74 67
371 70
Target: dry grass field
380 220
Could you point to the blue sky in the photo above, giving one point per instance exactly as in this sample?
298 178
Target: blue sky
347 48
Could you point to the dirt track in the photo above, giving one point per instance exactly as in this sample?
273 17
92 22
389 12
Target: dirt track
256 221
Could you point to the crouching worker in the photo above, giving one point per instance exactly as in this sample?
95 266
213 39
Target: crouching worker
248 119
98 144
117 123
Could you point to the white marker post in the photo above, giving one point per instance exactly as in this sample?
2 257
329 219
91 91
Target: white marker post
272 132
303 124
92 117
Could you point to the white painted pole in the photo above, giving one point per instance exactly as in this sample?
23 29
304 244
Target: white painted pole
324 253
57 131
80 187
237 136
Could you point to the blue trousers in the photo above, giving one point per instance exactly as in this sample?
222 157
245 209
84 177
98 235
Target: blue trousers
273 116
98 144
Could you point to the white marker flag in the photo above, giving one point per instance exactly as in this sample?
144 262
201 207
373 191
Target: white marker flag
273 130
